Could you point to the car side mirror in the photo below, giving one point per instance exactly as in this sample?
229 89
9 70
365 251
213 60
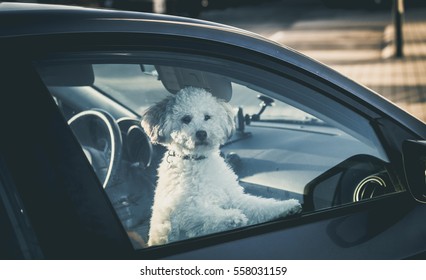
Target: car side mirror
414 156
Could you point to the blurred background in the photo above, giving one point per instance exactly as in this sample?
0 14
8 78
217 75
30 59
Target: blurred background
379 43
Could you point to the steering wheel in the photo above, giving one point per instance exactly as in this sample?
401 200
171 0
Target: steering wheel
100 137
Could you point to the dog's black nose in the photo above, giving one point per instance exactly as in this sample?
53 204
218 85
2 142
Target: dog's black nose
201 135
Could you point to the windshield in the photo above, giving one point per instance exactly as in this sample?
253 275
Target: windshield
138 86
130 85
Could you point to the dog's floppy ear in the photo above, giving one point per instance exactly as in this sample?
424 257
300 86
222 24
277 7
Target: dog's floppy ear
229 125
153 121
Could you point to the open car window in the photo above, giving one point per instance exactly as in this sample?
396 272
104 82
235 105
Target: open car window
290 141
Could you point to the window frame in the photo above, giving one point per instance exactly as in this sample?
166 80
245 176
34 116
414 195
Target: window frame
54 43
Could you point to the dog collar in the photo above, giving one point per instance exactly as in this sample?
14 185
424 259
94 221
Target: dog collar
185 157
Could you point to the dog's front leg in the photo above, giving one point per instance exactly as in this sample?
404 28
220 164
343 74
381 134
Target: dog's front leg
159 231
206 220
259 209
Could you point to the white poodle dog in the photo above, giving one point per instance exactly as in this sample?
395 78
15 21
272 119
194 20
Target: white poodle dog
197 192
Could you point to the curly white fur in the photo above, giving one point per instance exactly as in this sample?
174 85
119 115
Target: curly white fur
197 193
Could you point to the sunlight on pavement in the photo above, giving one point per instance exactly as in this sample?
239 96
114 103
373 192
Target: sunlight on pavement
366 56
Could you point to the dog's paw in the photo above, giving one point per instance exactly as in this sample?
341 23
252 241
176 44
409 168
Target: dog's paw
235 219
291 207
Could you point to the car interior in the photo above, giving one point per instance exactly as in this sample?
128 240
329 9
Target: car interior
268 156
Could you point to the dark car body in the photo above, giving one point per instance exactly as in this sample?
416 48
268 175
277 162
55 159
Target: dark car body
54 206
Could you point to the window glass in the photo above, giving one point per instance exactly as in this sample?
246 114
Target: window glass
187 146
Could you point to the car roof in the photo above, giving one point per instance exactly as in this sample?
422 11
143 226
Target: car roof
24 19
20 19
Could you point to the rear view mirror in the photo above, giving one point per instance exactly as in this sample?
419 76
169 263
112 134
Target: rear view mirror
414 155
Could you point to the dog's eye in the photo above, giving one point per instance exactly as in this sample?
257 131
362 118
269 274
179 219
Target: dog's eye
207 117
186 119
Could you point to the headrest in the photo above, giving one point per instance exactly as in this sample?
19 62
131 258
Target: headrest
174 79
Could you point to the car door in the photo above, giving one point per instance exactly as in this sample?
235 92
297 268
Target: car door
298 136
55 207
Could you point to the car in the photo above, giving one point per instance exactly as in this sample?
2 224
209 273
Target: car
78 172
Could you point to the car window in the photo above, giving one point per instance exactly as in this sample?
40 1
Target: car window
187 146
